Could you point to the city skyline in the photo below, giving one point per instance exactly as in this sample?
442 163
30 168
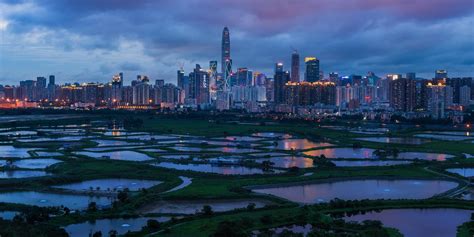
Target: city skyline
441 97
37 40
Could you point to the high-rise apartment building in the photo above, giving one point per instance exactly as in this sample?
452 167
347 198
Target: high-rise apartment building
295 67
312 69
401 93
279 80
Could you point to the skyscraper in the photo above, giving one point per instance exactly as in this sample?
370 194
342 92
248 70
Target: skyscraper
52 88
213 79
334 77
180 78
411 76
243 77
116 88
213 73
141 91
278 67
199 86
436 100
307 93
465 95
225 50
160 83
52 80
259 79
222 95
295 67
40 88
456 84
312 69
41 82
280 79
401 93
441 74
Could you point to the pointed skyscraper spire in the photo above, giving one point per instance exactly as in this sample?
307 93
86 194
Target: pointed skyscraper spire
225 48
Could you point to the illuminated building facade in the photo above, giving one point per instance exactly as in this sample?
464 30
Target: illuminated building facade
141 91
310 93
279 80
312 69
401 93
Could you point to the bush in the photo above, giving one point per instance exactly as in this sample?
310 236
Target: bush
251 206
92 207
97 234
122 196
207 210
229 229
153 224
113 233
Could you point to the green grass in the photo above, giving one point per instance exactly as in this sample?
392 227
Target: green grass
206 226
205 128
207 187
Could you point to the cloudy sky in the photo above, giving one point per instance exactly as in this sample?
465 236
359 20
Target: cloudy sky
90 40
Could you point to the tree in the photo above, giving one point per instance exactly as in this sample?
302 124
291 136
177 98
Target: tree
229 229
35 215
251 206
207 210
92 207
17 219
153 224
122 196
113 233
97 234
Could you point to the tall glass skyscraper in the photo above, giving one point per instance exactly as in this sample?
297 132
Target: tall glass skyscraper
295 67
312 69
225 49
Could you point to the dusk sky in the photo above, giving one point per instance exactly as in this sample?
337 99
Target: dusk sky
91 40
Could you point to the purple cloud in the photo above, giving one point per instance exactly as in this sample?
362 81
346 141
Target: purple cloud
349 36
